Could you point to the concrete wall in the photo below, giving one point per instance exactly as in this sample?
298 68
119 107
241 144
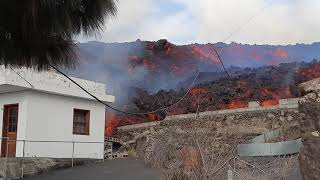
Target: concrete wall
253 104
290 103
139 126
48 117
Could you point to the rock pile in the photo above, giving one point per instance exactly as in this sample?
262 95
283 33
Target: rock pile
310 127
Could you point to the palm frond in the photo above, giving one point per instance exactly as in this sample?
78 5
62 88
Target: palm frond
36 33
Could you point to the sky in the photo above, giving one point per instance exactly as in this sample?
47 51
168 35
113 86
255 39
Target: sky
209 21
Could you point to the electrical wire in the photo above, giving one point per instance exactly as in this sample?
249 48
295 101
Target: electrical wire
125 112
248 20
235 31
223 66
221 62
22 77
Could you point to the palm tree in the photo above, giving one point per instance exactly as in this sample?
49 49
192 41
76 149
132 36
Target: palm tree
37 33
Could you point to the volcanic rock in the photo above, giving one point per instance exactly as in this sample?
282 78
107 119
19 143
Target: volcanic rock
309 123
310 86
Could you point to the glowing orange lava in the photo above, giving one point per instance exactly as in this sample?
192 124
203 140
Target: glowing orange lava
237 104
112 123
269 102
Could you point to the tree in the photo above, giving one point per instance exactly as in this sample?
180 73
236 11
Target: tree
37 33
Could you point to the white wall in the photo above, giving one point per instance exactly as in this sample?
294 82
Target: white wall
50 118
20 98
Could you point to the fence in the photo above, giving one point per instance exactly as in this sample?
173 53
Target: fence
44 154
259 147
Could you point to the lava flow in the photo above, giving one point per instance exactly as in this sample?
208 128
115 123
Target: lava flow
114 120
222 93
213 90
269 102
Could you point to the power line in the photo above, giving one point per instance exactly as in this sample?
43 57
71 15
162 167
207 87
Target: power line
221 62
239 28
235 31
22 77
248 20
125 112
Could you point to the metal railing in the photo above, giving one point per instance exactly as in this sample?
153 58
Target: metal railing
112 139
72 150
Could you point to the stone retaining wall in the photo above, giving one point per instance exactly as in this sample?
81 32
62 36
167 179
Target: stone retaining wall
291 103
217 132
309 126
11 168
212 136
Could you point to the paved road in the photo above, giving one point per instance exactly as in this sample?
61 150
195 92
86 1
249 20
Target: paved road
120 169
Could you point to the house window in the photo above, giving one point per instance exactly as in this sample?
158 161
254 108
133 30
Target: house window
81 121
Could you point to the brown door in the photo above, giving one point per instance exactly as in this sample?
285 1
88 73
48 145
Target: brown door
10 124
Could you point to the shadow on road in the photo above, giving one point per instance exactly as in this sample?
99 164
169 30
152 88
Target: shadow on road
119 169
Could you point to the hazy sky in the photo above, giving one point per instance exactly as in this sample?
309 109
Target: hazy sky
203 21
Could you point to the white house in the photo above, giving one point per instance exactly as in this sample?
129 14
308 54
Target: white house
46 115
